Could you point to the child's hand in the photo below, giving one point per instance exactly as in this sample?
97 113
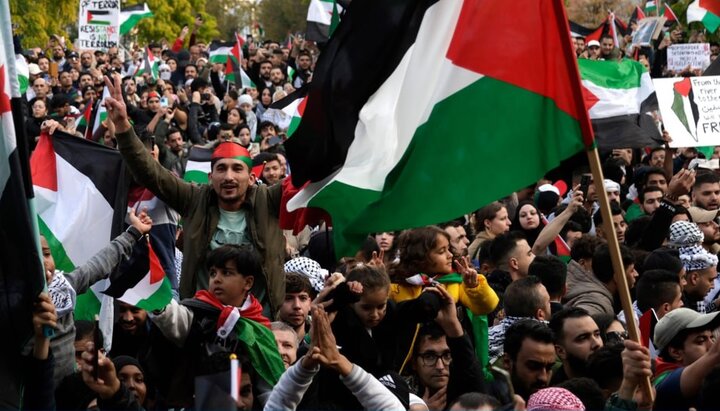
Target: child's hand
44 314
142 221
468 272
377 260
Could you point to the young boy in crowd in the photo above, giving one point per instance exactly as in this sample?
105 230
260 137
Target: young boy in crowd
226 318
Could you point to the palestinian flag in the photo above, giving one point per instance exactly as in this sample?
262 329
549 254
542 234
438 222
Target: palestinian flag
618 96
83 120
294 106
370 142
705 11
651 7
198 165
669 14
131 16
611 26
146 279
23 73
637 14
150 65
647 323
234 72
220 50
322 19
100 112
21 272
685 107
98 17
562 249
81 200
578 30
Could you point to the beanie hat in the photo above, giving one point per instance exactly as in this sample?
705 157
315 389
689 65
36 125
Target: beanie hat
245 99
308 268
554 399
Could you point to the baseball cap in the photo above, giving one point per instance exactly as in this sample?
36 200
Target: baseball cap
592 43
678 320
34 69
700 215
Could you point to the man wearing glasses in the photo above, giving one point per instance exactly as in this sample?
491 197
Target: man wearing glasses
444 363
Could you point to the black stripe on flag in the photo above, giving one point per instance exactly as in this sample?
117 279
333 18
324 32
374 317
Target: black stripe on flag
103 166
379 32
630 131
136 7
285 101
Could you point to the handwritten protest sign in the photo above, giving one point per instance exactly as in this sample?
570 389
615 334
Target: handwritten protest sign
695 55
98 24
690 108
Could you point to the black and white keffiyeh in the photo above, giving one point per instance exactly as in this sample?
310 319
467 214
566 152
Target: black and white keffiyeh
685 234
62 294
310 269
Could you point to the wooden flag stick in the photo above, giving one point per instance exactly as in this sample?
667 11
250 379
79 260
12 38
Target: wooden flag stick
618 267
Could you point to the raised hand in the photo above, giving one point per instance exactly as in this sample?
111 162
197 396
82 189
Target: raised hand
107 383
326 350
142 222
378 260
467 271
115 104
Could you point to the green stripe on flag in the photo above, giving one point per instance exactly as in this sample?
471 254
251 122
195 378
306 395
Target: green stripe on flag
159 299
87 306
62 260
610 74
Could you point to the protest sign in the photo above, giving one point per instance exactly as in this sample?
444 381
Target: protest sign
694 55
690 108
648 30
98 24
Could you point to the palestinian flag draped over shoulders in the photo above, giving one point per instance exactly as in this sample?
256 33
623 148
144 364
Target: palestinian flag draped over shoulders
372 142
81 196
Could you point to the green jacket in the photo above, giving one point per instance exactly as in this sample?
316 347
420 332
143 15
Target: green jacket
199 208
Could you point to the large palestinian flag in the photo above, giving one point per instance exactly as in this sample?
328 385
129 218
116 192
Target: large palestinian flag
377 142
21 271
618 96
81 199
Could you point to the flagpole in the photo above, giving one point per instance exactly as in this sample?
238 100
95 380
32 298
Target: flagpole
618 267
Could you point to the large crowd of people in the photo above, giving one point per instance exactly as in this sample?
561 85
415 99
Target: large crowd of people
479 313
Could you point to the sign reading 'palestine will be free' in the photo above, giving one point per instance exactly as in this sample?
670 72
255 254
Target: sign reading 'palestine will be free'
98 24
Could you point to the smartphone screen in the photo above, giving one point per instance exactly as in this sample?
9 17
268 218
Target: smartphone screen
164 102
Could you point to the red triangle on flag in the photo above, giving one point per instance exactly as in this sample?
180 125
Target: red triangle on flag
157 272
713 6
589 98
43 164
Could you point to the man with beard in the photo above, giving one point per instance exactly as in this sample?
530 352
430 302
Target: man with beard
705 219
706 191
576 337
458 237
130 333
529 356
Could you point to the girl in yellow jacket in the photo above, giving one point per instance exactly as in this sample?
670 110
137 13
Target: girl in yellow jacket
426 259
